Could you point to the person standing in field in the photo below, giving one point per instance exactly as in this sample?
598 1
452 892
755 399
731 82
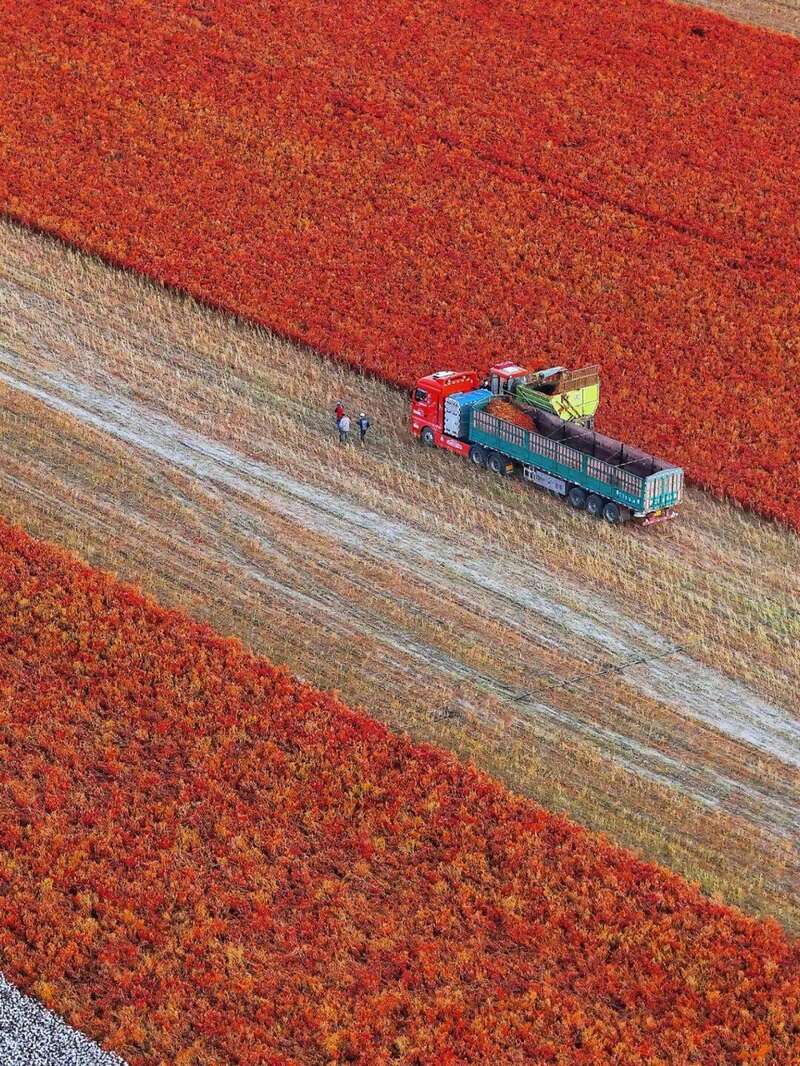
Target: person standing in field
363 426
344 429
338 411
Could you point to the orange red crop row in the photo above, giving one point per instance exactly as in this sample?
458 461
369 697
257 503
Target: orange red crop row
204 861
419 184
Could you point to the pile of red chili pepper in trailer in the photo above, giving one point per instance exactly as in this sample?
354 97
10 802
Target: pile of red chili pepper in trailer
506 410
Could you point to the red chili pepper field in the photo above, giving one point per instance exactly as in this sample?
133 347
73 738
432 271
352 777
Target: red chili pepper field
204 861
417 184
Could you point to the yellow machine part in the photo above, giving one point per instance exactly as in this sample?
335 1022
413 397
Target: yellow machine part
577 403
570 394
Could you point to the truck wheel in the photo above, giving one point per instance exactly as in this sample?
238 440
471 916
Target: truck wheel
427 437
497 463
477 455
612 513
594 505
576 497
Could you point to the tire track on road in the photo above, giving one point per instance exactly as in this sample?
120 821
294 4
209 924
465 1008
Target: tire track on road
541 607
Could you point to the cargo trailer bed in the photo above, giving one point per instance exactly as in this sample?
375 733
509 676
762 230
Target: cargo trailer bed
574 455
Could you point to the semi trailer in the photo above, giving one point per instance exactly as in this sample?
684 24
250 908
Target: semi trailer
540 424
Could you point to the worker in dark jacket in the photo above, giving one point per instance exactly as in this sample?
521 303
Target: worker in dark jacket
363 426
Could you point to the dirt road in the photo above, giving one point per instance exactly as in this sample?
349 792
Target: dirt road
642 681
780 15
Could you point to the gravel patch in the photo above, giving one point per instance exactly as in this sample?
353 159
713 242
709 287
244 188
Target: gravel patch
31 1035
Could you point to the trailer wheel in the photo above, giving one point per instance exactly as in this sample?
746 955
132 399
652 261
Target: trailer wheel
427 437
497 463
612 513
576 497
594 504
477 455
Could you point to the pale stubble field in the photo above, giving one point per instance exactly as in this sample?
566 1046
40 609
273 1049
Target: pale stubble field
641 681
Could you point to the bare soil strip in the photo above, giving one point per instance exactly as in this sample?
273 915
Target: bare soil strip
641 681
780 15
31 1035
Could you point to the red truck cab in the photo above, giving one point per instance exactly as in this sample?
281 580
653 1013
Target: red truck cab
428 398
500 377
427 403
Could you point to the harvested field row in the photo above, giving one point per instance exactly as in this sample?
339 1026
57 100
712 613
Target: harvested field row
782 16
380 185
651 699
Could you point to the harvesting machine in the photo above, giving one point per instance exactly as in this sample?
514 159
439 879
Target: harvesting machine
540 423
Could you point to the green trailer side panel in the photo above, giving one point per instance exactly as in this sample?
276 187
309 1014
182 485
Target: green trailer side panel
663 489
640 494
